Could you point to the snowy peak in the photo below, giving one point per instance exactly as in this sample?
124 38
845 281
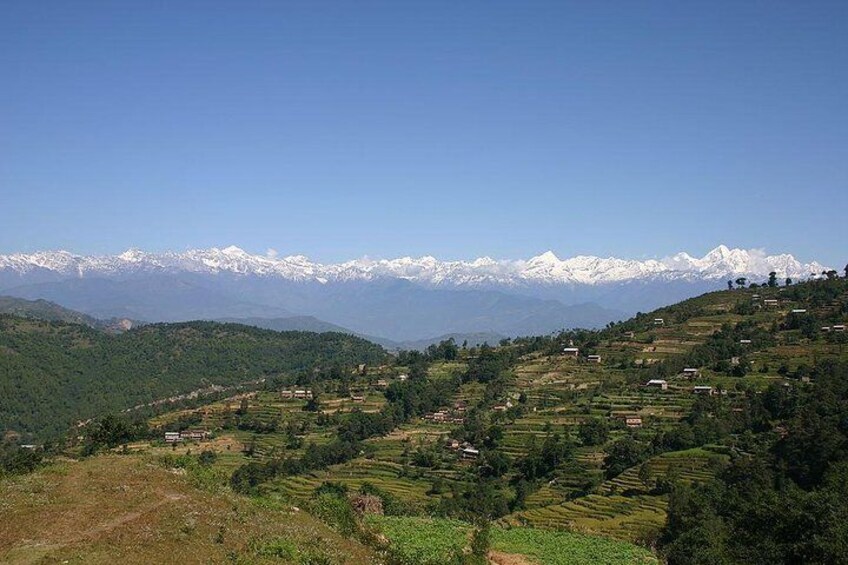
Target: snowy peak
544 269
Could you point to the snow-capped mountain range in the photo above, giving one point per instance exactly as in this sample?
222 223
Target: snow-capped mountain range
544 269
398 299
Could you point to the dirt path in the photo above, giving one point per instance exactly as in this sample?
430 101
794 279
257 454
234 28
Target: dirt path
114 523
501 558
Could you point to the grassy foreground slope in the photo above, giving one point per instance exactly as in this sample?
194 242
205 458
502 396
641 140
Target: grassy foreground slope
130 509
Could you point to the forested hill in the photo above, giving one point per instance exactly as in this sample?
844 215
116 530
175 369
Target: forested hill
44 310
53 374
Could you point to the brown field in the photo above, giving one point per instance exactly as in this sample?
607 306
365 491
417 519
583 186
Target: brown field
115 508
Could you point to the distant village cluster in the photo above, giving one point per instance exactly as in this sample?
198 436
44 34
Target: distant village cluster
186 435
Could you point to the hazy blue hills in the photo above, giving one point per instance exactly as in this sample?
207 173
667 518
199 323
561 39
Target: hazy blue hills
394 309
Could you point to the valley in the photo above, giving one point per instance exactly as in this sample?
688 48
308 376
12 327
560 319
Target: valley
545 445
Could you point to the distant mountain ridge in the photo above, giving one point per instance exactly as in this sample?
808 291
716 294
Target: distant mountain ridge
546 268
402 300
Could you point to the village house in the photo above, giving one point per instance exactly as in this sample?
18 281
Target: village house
657 383
770 302
172 437
633 421
402 378
194 435
825 329
707 390
452 443
469 453
630 420
690 372
570 351
745 341
287 394
502 407
839 328
303 394
659 322
357 397
630 335
799 311
382 383
460 406
593 358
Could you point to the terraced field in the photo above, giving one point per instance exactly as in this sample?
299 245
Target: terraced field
557 394
386 476
624 506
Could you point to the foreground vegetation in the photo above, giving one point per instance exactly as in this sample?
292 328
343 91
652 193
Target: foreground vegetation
433 541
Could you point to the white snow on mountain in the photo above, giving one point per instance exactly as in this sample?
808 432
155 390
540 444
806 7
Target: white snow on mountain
544 269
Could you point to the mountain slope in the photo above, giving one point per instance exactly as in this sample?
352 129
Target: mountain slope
96 509
163 297
544 269
53 374
44 310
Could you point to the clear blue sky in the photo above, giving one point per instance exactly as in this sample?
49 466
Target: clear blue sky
458 129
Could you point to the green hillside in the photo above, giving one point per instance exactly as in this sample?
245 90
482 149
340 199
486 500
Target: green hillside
53 374
554 451
531 451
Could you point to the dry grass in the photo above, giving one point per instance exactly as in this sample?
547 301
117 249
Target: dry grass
116 508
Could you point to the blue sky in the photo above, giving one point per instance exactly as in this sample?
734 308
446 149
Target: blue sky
343 129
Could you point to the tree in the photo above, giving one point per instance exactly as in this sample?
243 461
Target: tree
622 455
594 431
740 282
645 475
312 405
846 271
729 285
772 280
788 281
